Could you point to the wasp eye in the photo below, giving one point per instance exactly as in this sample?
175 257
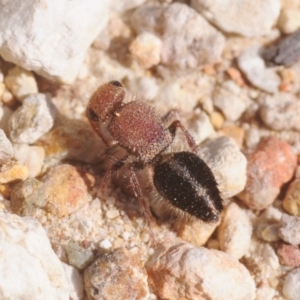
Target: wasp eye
91 114
116 83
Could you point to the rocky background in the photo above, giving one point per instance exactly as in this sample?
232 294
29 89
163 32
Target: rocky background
231 68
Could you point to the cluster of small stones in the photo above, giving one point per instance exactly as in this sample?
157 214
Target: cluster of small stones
62 238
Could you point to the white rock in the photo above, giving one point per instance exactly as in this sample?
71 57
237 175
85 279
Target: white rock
6 149
280 112
291 286
245 17
228 164
230 99
29 268
30 156
234 233
289 20
33 119
52 37
290 229
75 282
188 40
182 272
21 83
253 66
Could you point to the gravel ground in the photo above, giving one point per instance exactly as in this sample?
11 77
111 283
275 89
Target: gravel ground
231 73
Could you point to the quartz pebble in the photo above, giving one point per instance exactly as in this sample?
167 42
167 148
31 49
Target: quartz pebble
78 256
27 196
29 267
118 274
280 112
6 149
230 99
254 68
21 83
30 156
291 286
234 233
291 201
30 41
66 189
228 164
13 171
179 271
247 17
72 140
289 255
33 119
146 49
290 229
271 164
188 40
75 282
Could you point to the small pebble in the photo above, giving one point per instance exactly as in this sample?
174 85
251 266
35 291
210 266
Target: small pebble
112 214
234 233
105 244
231 100
27 196
247 17
180 271
13 171
146 49
21 83
30 156
115 275
270 233
195 232
253 66
200 126
73 140
78 256
291 201
290 229
291 285
271 164
265 292
33 119
66 189
289 255
6 149
280 112
285 52
228 164
217 119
